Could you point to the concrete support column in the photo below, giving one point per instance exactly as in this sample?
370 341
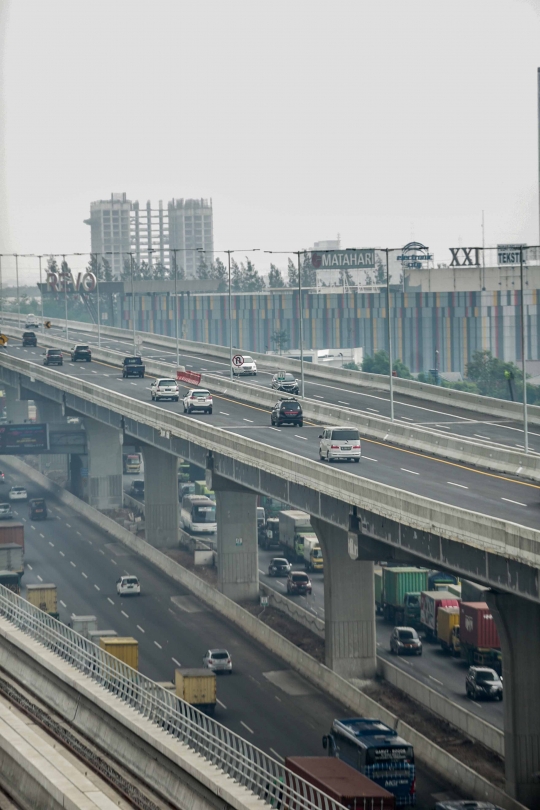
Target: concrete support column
518 624
160 497
49 411
349 605
16 409
104 465
238 553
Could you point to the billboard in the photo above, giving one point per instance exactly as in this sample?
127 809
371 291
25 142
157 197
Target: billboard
361 259
16 440
510 254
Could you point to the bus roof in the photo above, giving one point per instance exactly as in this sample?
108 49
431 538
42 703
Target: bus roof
368 731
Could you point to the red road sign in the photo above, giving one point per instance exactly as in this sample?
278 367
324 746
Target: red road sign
238 360
189 377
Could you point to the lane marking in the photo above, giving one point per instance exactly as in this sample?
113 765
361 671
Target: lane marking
246 726
40 579
509 500
436 681
248 420
80 535
29 567
372 409
278 756
158 645
178 664
110 600
340 402
68 525
408 418
453 484
63 603
224 414
72 563
114 562
479 436
368 458
304 438
62 554
275 428
412 472
218 701
33 527
97 587
140 628
318 396
124 614
84 575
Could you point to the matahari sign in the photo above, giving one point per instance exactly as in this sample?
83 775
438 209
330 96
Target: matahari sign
361 259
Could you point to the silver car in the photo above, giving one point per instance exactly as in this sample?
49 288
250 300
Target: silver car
5 511
218 661
164 389
340 444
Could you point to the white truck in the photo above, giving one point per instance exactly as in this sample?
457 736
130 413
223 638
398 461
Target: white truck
313 558
293 525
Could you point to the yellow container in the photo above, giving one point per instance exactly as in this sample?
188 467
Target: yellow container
43 597
447 619
126 649
196 686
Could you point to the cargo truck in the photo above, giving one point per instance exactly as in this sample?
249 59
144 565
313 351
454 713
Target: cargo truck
12 558
11 580
478 636
447 635
132 463
125 648
400 594
338 780
378 591
430 602
269 534
293 524
198 688
313 558
439 581
43 597
12 532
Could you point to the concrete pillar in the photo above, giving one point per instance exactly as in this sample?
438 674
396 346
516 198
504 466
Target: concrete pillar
49 411
238 553
16 409
518 624
104 465
349 605
160 497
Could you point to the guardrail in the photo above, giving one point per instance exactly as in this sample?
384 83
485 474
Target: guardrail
480 531
412 388
239 759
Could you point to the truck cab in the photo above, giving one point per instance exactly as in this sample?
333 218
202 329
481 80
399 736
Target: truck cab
411 609
132 367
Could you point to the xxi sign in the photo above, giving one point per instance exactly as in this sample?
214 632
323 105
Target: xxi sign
465 257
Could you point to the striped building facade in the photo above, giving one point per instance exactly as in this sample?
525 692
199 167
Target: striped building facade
456 324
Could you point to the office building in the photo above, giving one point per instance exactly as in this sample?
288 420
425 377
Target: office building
191 230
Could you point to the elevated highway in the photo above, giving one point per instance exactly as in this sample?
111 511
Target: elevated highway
351 512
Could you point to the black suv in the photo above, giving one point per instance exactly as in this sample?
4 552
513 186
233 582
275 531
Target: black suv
81 352
483 682
53 357
279 567
287 411
132 367
285 381
37 509
29 339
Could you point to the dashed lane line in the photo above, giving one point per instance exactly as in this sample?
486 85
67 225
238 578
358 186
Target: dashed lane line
40 578
412 472
218 701
97 587
29 567
247 727
62 554
110 600
178 664
509 500
73 564
453 484
84 575
63 603
140 628
158 645
124 614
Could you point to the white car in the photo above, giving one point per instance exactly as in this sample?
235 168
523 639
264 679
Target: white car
218 661
198 399
249 366
18 494
340 444
128 586
5 511
31 322
164 389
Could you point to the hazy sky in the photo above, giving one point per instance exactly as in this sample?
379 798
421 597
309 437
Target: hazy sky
380 120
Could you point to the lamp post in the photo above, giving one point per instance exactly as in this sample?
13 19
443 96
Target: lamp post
301 314
174 252
133 304
41 290
1 296
389 332
64 279
18 297
98 303
523 348
230 315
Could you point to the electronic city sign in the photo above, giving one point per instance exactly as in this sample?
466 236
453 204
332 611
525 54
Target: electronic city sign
24 439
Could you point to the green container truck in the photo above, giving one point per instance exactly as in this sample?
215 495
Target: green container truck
401 588
378 591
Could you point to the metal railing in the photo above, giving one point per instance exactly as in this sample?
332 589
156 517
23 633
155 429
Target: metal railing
239 759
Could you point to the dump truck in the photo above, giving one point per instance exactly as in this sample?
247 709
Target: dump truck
125 648
397 584
44 597
448 629
340 781
293 524
478 636
12 546
313 558
197 687
430 602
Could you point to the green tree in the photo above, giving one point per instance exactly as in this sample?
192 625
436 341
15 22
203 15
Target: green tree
220 273
159 271
280 339
380 271
491 375
106 269
379 363
352 366
309 274
345 277
236 277
275 279
203 271
251 280
292 273
52 265
144 271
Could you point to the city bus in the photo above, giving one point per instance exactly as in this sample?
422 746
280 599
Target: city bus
376 750
198 515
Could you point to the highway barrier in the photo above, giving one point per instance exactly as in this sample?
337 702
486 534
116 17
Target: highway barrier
319 675
476 403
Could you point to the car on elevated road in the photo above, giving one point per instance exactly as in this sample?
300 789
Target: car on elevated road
132 367
18 494
81 351
340 444
483 682
218 661
405 640
285 381
31 322
128 586
287 411
198 399
279 567
29 339
164 388
5 511
249 366
53 357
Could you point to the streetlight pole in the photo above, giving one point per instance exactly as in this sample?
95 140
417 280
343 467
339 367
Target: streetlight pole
301 313
64 265
228 252
1 295
133 304
41 290
391 378
523 359
18 297
175 250
98 304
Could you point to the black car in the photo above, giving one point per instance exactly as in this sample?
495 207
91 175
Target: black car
279 567
483 682
287 411
81 352
53 357
285 381
37 509
29 339
132 367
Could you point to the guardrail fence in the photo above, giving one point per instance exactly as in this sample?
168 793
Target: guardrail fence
243 762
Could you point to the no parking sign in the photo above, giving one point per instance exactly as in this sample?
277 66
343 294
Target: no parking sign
238 360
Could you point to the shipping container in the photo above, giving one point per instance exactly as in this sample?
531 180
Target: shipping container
197 687
125 648
396 583
83 624
447 620
338 780
95 635
11 532
12 558
292 523
477 626
430 602
43 597
202 489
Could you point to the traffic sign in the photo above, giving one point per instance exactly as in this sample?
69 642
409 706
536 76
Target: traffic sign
238 360
3 340
47 324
